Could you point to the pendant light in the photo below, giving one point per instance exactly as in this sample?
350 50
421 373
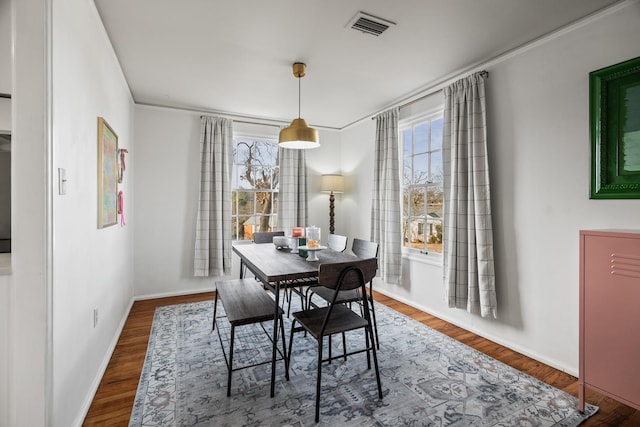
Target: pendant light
299 135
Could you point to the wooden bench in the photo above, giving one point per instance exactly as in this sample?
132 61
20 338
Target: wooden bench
246 302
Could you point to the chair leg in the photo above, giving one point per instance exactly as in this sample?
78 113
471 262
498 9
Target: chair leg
233 331
344 346
375 322
293 325
375 363
318 380
215 308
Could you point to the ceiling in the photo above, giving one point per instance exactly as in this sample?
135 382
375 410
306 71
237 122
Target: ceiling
234 57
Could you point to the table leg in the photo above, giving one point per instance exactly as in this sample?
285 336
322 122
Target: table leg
275 341
241 268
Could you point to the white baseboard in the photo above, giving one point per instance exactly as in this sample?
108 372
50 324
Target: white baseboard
483 334
103 367
172 294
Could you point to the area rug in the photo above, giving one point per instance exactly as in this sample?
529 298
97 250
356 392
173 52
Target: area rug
428 379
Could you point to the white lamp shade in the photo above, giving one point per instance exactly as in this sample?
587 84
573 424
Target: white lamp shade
332 183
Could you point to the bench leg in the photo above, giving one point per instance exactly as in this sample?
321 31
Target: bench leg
215 309
233 331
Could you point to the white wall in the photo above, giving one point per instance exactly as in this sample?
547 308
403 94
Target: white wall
29 376
5 125
93 268
538 103
5 47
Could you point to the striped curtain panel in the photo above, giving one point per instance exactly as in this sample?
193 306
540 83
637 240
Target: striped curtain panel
469 274
292 190
385 205
213 225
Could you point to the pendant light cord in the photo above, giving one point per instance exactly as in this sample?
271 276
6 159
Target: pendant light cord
299 78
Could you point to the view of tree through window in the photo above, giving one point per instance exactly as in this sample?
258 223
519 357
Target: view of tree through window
254 184
422 184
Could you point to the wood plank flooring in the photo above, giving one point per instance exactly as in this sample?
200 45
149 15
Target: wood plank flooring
113 401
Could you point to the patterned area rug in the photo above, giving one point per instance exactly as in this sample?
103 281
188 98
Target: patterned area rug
428 379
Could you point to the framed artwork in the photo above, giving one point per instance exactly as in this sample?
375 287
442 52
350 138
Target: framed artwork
614 95
107 175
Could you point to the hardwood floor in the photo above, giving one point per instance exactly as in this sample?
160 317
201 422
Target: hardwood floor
113 401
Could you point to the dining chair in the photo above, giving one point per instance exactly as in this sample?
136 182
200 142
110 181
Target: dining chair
337 242
320 322
266 236
362 249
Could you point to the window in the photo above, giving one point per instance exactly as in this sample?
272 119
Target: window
254 186
422 200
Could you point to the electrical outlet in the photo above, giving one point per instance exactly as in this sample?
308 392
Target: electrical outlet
95 317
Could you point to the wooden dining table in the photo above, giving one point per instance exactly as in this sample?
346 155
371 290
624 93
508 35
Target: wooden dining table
276 268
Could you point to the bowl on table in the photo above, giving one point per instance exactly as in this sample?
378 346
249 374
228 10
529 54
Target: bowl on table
281 242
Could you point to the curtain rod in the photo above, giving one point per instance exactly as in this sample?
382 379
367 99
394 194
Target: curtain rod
5 95
246 121
483 73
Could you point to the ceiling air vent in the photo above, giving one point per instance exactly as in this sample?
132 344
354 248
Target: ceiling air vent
369 24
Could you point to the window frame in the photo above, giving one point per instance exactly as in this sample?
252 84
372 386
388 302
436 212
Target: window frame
421 255
241 136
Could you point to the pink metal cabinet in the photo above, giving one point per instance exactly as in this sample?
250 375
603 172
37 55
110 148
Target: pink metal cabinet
610 315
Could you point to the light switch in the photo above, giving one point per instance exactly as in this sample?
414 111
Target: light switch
62 181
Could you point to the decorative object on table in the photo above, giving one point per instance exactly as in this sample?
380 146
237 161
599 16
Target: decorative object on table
292 243
614 98
299 135
281 242
302 242
331 184
121 164
429 379
107 175
313 236
297 232
311 250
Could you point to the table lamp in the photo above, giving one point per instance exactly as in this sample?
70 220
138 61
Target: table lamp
331 184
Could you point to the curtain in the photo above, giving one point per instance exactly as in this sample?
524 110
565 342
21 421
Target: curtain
292 190
385 203
213 224
469 274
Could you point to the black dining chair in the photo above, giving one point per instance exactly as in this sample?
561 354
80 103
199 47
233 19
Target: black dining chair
362 249
337 318
337 242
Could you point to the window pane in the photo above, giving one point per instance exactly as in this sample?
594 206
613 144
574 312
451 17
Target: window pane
436 134
420 169
406 172
417 202
405 233
416 240
434 236
436 166
263 203
276 177
434 202
274 208
245 228
245 203
405 201
406 142
420 135
240 153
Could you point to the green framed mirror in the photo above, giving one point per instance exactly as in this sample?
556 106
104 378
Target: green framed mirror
614 95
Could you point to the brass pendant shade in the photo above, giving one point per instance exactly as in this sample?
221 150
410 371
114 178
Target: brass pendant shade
299 135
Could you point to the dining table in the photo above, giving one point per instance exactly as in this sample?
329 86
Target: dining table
279 267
